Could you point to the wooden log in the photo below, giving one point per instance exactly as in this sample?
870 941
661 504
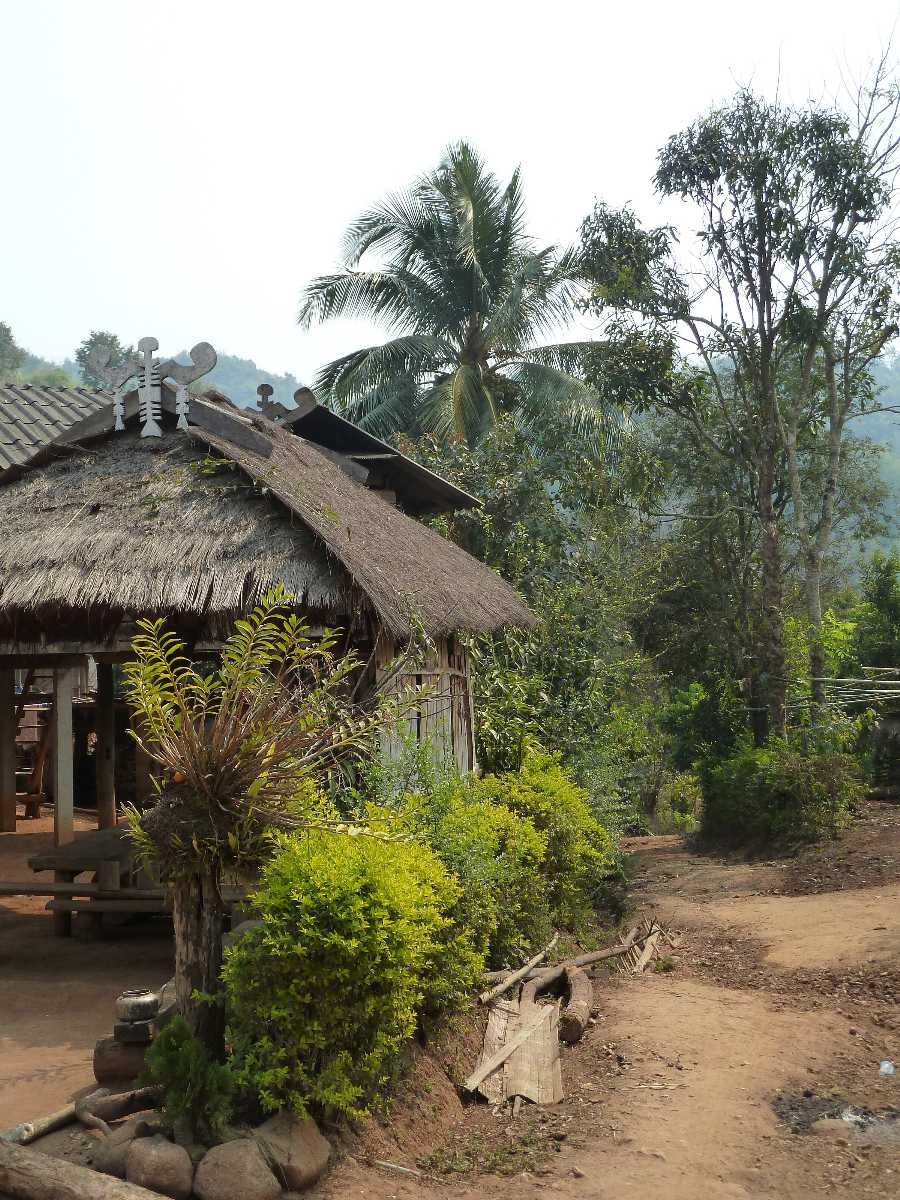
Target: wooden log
27 1175
106 747
108 1107
575 1016
505 984
74 889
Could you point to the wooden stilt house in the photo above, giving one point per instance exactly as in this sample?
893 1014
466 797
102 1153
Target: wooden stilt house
103 524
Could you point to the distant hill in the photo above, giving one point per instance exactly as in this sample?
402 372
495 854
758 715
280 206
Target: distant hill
239 378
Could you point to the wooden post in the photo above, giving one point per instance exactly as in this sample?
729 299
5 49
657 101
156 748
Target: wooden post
106 747
7 750
63 781
143 777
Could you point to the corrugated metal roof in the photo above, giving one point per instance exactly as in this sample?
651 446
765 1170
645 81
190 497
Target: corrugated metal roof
33 417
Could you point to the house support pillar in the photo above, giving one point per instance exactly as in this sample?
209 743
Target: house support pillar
106 747
7 750
63 774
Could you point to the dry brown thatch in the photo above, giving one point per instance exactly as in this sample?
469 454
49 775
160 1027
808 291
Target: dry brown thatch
406 569
132 525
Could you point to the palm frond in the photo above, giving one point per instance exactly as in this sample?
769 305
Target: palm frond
346 380
458 405
548 387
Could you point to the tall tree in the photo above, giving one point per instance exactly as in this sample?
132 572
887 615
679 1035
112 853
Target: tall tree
468 298
783 194
12 356
107 341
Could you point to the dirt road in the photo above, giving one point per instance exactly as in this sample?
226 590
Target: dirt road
57 994
725 1075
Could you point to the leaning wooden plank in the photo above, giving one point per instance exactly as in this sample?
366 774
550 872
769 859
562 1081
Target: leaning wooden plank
534 1071
647 954
27 1175
507 983
503 1020
488 1066
577 1012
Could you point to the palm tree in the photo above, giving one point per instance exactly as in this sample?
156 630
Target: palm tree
467 296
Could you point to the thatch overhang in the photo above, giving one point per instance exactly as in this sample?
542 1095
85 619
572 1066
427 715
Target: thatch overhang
127 526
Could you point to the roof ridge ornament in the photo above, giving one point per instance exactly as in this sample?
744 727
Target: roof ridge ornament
151 373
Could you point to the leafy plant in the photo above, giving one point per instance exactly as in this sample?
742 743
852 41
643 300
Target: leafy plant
197 1089
679 803
580 864
245 746
779 793
469 300
357 940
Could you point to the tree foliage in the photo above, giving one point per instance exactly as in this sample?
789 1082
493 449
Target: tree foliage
471 302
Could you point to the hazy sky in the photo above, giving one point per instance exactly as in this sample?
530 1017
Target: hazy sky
182 169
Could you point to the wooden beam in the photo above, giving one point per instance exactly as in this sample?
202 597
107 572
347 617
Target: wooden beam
106 747
7 751
63 773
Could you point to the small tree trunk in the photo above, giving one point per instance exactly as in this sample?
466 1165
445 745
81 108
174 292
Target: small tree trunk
772 625
199 920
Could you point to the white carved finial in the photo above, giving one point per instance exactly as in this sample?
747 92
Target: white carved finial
181 406
149 391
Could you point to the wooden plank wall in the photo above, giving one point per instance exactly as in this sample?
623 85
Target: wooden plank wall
444 717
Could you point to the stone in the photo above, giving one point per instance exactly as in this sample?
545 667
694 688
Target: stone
115 1061
235 934
160 1166
296 1148
138 1033
109 1153
832 1128
235 1171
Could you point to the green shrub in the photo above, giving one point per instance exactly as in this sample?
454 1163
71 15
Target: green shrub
679 803
779 794
357 940
580 863
196 1089
498 857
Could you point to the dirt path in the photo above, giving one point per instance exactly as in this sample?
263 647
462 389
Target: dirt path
705 1079
57 994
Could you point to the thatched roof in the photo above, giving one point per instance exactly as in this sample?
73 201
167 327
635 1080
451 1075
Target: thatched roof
134 526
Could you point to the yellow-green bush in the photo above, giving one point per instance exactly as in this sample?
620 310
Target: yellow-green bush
580 862
498 857
357 939
679 803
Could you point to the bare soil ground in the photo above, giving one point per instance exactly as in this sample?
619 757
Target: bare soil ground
705 1078
57 994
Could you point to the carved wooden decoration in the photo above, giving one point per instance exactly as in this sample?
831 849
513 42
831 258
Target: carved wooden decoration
151 372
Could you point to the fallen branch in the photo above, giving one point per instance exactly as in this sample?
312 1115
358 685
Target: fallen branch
28 1131
575 1016
27 1175
505 984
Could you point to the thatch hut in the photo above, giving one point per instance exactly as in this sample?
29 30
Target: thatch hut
102 527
